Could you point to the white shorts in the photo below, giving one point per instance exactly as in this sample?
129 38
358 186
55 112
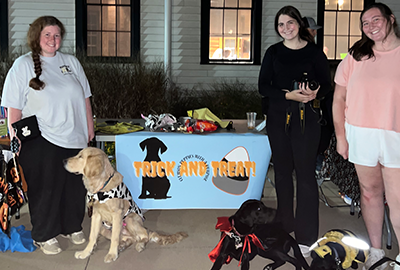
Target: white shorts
368 146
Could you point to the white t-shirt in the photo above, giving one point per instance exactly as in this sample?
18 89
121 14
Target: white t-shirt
60 107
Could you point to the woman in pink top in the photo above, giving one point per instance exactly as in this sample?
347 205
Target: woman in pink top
367 122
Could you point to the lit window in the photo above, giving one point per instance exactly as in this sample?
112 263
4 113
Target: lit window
228 31
341 26
3 28
110 28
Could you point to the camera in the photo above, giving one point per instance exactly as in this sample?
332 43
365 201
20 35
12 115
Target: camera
313 85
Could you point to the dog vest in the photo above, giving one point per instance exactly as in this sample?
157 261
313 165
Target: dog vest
323 247
120 192
225 226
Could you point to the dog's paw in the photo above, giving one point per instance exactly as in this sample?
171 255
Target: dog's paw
110 257
82 254
124 244
140 246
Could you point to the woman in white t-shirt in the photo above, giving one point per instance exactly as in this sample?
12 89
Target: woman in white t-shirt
53 87
367 120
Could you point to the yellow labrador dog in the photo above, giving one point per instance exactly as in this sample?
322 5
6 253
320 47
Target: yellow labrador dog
115 215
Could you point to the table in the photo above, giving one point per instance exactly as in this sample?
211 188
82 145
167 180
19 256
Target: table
192 171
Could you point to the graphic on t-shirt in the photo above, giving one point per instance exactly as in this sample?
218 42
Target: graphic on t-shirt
25 131
65 69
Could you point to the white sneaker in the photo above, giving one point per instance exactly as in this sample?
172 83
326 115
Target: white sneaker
347 199
76 238
305 250
396 266
50 247
375 255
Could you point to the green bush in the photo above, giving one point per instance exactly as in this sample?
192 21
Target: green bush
127 90
230 100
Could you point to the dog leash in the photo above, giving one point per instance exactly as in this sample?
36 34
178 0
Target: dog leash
338 261
91 197
106 183
382 261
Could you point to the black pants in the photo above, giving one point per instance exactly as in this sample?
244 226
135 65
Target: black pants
293 150
327 128
56 196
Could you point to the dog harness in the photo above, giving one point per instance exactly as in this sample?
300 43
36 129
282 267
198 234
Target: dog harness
120 192
225 226
324 246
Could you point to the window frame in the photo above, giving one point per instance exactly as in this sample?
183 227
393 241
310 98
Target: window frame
81 33
255 59
4 27
320 21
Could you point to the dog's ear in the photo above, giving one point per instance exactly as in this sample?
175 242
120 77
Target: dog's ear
244 218
143 145
94 166
163 147
354 265
247 220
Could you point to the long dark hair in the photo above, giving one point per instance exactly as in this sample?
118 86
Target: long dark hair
35 29
295 14
363 47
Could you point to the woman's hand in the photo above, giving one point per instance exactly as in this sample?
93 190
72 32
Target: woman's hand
89 118
301 95
342 147
307 91
13 116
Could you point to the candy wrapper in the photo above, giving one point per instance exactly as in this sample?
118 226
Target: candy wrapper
162 122
197 125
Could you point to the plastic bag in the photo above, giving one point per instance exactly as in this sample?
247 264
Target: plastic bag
196 125
163 122
206 114
19 240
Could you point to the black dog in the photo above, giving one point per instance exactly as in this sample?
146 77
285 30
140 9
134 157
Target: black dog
253 231
154 187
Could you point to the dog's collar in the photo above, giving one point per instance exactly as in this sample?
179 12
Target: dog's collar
234 229
338 261
106 183
226 226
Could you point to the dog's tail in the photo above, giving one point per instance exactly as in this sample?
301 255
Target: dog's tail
166 239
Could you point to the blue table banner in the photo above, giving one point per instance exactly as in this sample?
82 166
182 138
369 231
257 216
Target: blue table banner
193 171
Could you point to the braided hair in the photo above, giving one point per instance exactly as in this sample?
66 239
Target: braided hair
34 32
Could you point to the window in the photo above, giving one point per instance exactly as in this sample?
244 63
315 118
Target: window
108 28
3 27
231 31
341 26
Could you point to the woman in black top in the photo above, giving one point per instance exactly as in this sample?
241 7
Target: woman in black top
294 142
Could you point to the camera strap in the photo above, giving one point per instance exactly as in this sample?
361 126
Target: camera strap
288 118
302 109
316 104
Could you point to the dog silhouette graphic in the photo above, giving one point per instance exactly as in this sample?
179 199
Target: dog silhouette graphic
154 187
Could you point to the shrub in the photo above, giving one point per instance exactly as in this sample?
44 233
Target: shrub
230 100
126 90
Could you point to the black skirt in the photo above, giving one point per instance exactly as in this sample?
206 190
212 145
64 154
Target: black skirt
56 196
